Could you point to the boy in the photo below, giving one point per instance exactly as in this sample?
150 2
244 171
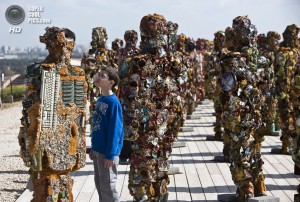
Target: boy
107 136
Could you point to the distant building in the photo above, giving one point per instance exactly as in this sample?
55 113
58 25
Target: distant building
9 57
35 53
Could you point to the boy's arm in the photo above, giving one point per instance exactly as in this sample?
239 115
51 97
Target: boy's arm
115 131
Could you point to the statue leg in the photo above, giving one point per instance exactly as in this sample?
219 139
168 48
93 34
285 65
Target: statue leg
52 187
257 163
227 143
286 141
218 127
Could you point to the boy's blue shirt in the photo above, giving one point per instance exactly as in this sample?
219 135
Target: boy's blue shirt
107 131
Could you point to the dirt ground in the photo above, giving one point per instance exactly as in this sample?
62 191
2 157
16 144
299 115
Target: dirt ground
13 173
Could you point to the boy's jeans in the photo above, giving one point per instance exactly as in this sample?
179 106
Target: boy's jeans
106 178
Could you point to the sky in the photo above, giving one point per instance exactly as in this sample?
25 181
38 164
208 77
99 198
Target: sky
196 18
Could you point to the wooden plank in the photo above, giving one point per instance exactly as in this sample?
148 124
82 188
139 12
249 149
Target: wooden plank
290 177
192 175
224 167
181 183
122 172
279 186
84 196
217 178
222 180
171 186
89 184
280 169
273 190
26 196
81 177
124 193
288 165
95 196
87 188
206 181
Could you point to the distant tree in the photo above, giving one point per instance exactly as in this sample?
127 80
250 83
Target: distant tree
2 49
14 66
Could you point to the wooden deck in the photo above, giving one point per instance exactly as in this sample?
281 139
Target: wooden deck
201 178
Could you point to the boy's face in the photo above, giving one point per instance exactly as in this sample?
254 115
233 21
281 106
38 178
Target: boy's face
101 80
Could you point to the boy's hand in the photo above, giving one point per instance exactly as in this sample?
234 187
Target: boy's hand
108 163
91 155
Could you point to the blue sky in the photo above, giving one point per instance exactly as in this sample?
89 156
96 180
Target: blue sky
196 18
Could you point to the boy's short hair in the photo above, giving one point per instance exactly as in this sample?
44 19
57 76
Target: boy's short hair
112 75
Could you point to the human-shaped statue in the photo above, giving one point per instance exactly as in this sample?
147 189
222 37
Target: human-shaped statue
98 57
287 87
241 109
180 78
52 138
176 51
129 51
212 88
246 43
285 69
290 59
192 74
268 46
201 51
145 89
116 45
263 108
229 37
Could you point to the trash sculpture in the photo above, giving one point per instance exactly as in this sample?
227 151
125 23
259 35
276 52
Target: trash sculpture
52 136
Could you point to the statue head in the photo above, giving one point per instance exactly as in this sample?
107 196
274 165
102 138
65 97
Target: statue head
190 44
290 36
172 27
131 38
180 42
153 25
153 31
229 38
172 35
219 40
272 40
244 31
58 38
99 37
262 41
200 44
117 44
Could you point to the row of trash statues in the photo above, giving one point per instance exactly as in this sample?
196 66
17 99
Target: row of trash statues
253 81
161 82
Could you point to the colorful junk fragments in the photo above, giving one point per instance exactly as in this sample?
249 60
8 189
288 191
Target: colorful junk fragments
253 80
52 136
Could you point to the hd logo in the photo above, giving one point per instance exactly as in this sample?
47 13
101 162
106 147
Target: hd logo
15 15
15 30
